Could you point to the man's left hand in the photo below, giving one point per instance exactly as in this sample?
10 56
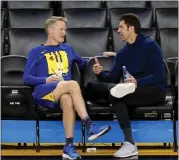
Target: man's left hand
131 80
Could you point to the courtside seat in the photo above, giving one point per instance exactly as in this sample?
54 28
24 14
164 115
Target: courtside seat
167 107
176 89
16 98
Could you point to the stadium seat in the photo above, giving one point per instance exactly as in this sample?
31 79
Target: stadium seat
5 41
76 76
28 4
145 16
176 78
23 40
167 17
93 107
162 4
169 46
16 99
3 4
88 42
81 4
85 17
118 44
169 42
2 42
28 18
126 4
176 89
3 18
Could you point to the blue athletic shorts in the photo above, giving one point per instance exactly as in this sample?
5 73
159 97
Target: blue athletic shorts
43 95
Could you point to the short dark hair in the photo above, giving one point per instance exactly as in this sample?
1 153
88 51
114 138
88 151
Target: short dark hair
131 19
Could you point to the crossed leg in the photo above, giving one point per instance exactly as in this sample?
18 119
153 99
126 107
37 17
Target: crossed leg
72 88
71 100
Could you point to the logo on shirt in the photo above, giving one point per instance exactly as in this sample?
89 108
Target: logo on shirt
43 51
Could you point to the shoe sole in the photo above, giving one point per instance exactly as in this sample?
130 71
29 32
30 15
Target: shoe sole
120 90
65 156
133 154
106 130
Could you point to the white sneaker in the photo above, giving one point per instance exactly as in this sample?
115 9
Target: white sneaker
126 150
122 89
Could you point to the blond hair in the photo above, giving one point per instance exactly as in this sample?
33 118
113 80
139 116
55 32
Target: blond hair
52 20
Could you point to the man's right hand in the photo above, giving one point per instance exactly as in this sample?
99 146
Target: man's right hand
52 78
97 68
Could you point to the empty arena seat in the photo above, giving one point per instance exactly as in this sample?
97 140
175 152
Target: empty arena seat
2 42
118 44
167 17
169 45
176 76
23 40
85 17
28 4
176 90
3 4
88 42
80 4
169 42
176 86
145 16
126 4
3 18
164 4
28 18
16 99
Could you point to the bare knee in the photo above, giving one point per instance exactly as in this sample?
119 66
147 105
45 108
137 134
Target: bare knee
74 86
66 87
68 84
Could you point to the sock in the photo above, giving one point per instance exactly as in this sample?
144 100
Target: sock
87 121
69 141
128 135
